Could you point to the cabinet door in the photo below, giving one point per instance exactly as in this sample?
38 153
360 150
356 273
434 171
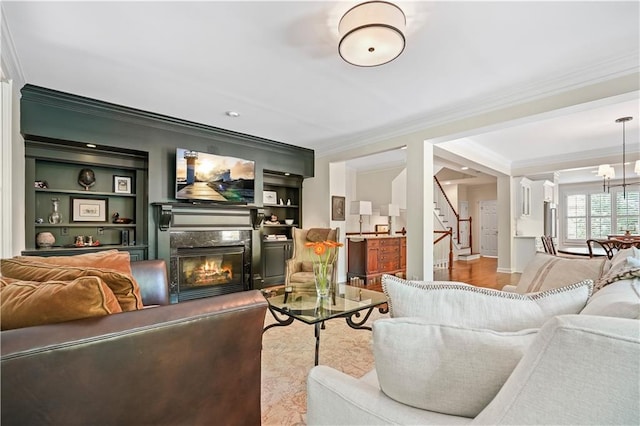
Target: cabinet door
275 256
373 253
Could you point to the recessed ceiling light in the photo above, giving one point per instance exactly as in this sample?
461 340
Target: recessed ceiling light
403 147
447 183
233 114
287 174
90 145
464 168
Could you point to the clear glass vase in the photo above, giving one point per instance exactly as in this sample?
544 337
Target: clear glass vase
322 278
55 216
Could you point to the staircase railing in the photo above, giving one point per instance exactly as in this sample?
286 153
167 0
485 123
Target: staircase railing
450 216
439 252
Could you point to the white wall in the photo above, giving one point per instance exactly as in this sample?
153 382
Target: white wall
338 187
451 191
12 197
375 186
505 224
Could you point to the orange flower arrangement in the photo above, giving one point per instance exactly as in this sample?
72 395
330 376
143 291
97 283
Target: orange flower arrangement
325 254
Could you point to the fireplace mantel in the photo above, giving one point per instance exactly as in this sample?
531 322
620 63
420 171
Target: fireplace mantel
187 225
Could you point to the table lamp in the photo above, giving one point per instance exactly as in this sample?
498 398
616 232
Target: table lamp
362 208
390 210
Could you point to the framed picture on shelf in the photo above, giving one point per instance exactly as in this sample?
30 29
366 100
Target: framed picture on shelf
269 197
121 184
89 209
337 207
382 229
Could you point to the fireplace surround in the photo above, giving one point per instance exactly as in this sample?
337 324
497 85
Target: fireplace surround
209 263
207 247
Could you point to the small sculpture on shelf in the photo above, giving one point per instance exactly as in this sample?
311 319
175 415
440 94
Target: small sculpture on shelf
273 220
117 219
87 178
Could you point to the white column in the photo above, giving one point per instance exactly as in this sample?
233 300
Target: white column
420 210
338 187
6 188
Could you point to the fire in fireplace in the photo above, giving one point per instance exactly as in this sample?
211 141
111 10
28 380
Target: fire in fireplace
209 263
215 267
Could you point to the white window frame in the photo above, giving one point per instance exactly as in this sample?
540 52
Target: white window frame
586 189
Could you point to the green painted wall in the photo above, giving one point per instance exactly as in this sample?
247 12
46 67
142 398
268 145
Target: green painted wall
53 114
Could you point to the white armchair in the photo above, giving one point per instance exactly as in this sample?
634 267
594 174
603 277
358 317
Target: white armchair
580 369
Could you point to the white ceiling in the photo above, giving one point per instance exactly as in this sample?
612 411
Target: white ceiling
276 63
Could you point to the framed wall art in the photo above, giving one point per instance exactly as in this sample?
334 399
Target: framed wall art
122 184
269 197
337 207
89 209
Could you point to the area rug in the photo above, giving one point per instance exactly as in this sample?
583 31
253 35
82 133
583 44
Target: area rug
288 355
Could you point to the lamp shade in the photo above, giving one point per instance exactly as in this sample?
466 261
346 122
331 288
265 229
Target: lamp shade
389 210
372 33
362 208
606 171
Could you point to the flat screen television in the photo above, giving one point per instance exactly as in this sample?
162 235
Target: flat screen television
201 176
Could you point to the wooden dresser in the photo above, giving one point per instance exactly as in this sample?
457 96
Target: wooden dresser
370 257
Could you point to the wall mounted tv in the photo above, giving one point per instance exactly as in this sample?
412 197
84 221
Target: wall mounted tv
207 177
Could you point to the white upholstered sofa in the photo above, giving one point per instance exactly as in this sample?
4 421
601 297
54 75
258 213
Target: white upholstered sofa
581 365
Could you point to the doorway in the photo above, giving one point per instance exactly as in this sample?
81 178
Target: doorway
489 228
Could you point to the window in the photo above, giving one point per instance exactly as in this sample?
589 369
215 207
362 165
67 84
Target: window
600 219
627 212
576 217
591 213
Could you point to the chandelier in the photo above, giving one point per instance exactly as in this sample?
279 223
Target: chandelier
607 172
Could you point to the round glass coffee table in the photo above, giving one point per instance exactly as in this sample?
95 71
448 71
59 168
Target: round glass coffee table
354 304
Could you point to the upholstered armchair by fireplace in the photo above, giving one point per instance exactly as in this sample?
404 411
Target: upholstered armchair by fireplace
299 271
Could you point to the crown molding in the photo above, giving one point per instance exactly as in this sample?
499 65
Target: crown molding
11 67
612 68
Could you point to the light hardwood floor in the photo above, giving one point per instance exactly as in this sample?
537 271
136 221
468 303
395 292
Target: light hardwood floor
480 272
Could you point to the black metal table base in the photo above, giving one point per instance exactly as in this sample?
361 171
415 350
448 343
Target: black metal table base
357 325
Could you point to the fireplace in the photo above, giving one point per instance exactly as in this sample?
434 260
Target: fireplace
209 263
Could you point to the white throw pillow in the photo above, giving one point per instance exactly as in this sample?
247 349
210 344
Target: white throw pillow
464 305
620 299
441 368
545 272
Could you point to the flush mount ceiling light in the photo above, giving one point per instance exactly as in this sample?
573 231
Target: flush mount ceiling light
372 34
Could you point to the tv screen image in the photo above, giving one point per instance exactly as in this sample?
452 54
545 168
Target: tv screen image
208 177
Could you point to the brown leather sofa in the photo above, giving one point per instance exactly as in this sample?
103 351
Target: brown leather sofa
196 362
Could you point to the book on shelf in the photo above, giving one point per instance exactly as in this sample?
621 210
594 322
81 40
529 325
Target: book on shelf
275 237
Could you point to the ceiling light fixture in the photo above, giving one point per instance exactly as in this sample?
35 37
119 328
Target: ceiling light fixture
233 114
607 172
372 33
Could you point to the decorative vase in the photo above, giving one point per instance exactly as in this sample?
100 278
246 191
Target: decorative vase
322 278
45 239
55 216
86 178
